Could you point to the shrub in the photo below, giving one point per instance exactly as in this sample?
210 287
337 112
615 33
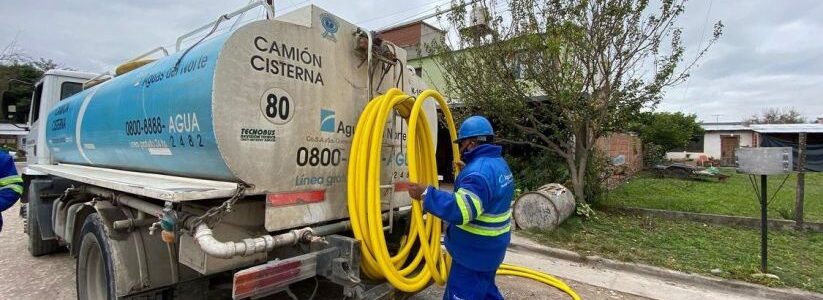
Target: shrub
532 170
597 174
653 154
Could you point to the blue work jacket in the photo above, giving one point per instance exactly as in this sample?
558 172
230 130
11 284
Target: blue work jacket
479 211
11 184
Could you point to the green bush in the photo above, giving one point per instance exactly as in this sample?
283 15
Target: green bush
535 169
668 130
532 170
597 172
653 154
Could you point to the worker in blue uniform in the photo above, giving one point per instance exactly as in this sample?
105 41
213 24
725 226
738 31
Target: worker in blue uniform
478 213
11 184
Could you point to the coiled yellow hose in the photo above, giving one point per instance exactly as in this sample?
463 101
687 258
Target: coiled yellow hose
364 198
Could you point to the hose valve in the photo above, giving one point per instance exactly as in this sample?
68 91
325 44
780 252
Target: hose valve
168 222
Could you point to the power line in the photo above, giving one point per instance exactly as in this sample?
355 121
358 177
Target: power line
290 6
438 3
415 17
431 15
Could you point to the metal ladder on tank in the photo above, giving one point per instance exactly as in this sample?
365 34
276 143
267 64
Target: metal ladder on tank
390 186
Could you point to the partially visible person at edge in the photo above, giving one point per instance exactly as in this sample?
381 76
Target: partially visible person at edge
11 184
478 213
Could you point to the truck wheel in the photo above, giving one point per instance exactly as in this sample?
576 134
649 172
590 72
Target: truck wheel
37 245
95 271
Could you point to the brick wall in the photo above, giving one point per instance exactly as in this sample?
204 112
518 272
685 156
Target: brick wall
625 152
405 36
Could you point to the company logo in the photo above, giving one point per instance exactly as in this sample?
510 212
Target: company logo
328 123
327 120
330 25
505 179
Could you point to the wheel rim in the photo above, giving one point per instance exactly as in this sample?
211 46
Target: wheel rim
95 275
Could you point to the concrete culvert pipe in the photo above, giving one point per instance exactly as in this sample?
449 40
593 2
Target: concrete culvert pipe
545 208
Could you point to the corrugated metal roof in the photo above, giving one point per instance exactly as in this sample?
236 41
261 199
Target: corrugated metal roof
788 128
13 132
725 127
11 127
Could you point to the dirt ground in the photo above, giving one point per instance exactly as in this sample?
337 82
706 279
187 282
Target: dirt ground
52 276
25 277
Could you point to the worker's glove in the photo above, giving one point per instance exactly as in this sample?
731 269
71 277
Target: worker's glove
416 191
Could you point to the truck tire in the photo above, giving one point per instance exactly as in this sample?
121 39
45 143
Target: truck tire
94 269
37 245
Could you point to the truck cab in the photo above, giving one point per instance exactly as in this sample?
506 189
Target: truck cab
55 85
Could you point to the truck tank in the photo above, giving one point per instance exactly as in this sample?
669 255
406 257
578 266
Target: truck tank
272 104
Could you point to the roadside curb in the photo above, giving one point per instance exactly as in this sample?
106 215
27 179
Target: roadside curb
716 219
733 286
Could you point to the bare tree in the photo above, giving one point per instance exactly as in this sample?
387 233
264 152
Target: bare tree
45 64
11 53
559 74
778 116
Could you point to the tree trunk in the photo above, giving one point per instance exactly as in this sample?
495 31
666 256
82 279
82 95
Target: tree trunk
578 185
801 180
577 164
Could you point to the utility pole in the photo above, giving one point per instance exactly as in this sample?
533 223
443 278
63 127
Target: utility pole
801 180
764 225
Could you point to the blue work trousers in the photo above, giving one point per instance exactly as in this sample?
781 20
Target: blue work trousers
468 284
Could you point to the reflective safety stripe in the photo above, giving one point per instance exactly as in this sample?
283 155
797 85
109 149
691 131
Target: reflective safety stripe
464 198
13 187
486 230
478 206
463 204
10 179
495 218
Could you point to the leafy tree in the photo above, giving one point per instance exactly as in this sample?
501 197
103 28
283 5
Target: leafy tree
18 73
778 116
558 74
669 130
17 82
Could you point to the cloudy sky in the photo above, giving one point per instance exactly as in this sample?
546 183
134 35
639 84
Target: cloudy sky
770 56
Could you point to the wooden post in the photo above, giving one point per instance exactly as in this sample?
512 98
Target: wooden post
801 180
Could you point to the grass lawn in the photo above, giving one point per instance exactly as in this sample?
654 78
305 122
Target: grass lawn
797 257
734 197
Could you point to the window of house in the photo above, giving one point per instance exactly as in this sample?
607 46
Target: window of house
418 71
67 89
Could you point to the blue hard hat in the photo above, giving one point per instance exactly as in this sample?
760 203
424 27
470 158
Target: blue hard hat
474 126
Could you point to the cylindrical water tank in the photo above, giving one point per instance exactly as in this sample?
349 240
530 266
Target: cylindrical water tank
544 208
272 104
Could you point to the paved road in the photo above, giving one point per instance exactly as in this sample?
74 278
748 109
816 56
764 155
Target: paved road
52 276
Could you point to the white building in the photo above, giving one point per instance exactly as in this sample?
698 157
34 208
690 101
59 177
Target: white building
721 139
13 137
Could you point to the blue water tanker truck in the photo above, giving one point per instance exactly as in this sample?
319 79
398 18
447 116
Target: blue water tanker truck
216 169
